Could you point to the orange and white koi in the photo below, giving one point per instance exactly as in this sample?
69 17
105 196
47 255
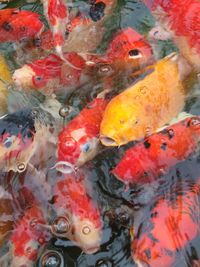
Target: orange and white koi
182 21
77 218
153 156
78 142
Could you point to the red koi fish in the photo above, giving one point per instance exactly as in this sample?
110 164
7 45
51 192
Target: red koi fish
170 228
156 154
127 52
27 237
78 142
181 19
78 219
50 74
17 25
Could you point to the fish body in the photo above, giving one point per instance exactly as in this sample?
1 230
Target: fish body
78 142
146 106
170 227
73 203
27 237
153 156
18 25
181 19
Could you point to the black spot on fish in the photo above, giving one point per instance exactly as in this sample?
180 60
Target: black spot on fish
148 253
163 146
97 11
170 133
7 26
37 42
147 144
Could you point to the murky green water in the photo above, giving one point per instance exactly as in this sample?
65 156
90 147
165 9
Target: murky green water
121 208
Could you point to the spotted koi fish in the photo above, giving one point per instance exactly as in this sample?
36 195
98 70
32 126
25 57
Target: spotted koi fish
78 219
18 25
182 21
179 221
157 153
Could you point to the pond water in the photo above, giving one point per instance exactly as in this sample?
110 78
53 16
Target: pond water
125 211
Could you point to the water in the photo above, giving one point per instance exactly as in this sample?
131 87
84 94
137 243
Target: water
121 208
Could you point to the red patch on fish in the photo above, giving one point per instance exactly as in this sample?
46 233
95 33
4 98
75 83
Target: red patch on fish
17 25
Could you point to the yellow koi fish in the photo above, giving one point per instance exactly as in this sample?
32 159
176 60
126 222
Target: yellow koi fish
147 105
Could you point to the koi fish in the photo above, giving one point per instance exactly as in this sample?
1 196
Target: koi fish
127 52
179 221
27 237
5 77
181 20
157 153
50 74
147 105
18 25
78 142
78 219
57 15
22 134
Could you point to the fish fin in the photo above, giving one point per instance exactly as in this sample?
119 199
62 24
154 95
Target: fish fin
181 116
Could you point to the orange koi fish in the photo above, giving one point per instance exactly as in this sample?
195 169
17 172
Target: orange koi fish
147 105
181 19
77 216
27 237
18 25
78 142
171 227
157 153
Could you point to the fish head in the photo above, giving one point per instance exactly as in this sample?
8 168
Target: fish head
39 74
17 135
116 130
129 48
74 149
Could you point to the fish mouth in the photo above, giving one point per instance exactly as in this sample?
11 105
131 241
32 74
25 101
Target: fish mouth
64 167
141 263
108 141
90 250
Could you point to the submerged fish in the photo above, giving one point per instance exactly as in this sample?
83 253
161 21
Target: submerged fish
18 25
153 156
78 142
22 134
146 106
171 225
27 237
78 219
127 52
182 21
50 74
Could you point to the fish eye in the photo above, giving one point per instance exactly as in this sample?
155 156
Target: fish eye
86 147
21 167
8 142
195 121
135 53
86 230
38 78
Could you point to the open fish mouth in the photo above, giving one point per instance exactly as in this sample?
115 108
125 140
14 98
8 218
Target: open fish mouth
107 141
64 167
